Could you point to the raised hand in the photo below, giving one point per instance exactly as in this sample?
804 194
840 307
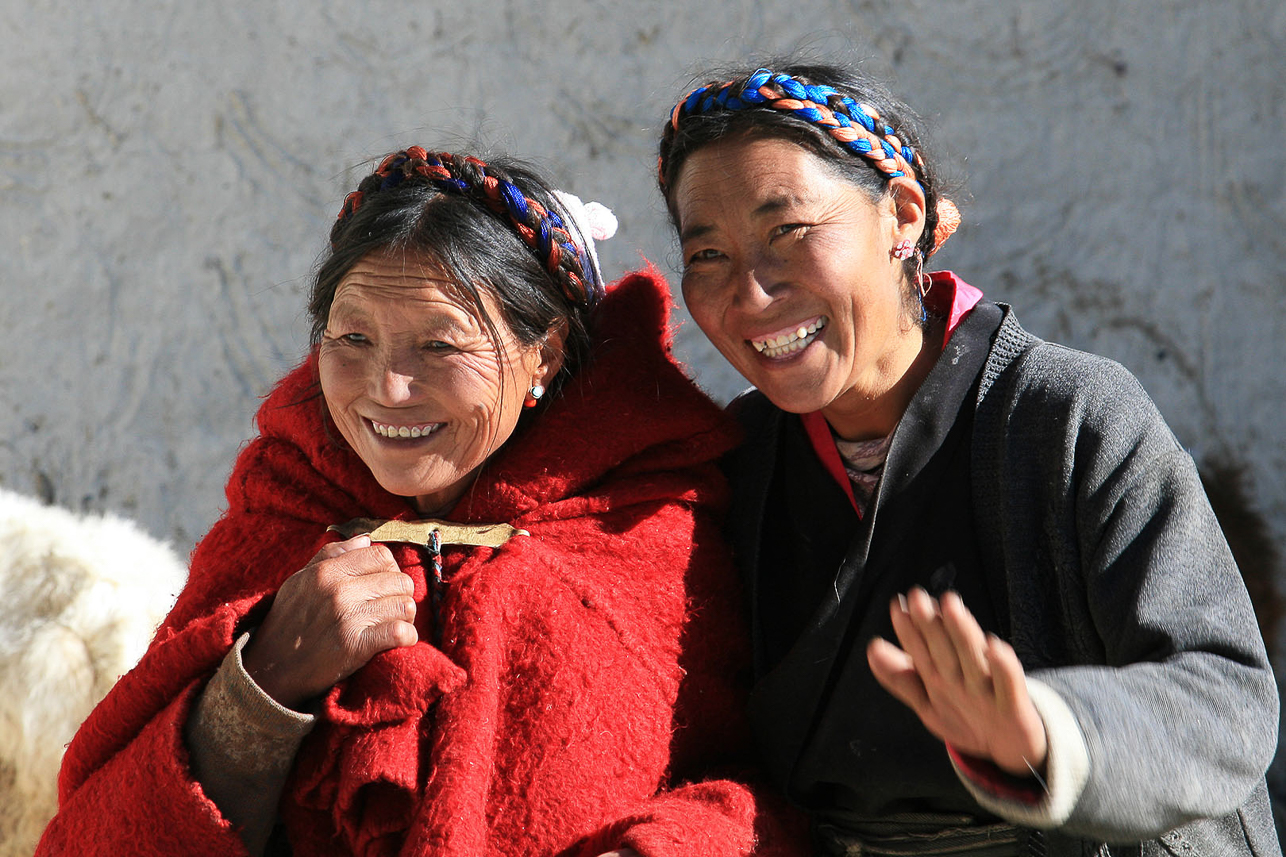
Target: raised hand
967 687
328 619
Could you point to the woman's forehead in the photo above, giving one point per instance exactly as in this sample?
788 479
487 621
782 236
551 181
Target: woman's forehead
395 280
391 269
758 176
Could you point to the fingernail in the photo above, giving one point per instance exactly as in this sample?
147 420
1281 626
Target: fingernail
902 602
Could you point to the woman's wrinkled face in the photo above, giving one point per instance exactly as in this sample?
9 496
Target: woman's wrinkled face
413 381
788 272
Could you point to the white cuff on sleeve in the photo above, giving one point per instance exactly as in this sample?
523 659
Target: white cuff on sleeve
1067 767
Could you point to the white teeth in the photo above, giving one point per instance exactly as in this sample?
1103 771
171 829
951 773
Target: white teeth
385 430
787 343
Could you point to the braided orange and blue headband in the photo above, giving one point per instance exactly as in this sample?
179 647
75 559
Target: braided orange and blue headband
541 229
857 127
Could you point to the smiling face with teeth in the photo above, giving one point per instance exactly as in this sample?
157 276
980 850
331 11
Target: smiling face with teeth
414 382
788 272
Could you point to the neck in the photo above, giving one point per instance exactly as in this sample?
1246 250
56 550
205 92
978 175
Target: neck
856 417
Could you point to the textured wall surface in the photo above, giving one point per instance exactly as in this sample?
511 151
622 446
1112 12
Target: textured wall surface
168 173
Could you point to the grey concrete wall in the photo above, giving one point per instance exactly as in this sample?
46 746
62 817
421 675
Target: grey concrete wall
168 173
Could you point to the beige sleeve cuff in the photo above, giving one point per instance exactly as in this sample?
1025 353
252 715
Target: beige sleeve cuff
238 732
1066 767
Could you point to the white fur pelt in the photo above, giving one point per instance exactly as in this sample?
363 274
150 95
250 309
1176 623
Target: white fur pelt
80 598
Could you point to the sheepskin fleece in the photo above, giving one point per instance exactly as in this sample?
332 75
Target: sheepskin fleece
590 676
83 594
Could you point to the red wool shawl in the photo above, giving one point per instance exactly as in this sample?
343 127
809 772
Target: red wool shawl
587 677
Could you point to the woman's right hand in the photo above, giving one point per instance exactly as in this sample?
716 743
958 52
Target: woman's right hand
968 687
328 619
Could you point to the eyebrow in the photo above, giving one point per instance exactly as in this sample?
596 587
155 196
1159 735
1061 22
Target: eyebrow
768 206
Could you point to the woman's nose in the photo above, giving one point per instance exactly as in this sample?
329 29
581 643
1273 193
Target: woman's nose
753 285
395 380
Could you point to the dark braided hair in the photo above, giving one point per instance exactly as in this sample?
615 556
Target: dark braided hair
847 119
492 227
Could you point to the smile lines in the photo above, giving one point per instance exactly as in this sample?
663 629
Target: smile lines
385 430
794 340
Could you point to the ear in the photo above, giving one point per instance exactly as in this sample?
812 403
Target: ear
548 358
908 208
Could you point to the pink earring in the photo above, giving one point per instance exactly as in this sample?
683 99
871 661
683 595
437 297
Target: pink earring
903 249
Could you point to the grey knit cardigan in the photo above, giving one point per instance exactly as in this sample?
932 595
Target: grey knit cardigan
1124 598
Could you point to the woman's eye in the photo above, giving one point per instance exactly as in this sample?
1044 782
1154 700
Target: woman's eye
437 345
703 255
354 338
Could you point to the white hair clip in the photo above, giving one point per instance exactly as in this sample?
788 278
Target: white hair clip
594 221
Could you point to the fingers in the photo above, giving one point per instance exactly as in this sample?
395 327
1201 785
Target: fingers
942 637
895 671
356 556
388 635
1029 743
926 615
377 623
371 611
942 674
909 635
968 640
968 687
334 549
375 595
359 567
349 603
1008 676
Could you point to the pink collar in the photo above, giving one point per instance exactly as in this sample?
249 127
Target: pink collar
948 295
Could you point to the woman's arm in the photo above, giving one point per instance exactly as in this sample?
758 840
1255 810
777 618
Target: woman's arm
130 784
327 620
1012 740
1125 605
242 745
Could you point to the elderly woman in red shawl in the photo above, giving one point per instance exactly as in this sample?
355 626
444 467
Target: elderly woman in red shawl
468 596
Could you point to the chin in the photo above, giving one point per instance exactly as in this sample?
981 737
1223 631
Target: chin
793 398
397 483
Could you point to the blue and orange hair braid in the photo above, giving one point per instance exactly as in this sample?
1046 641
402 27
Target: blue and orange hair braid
855 127
543 230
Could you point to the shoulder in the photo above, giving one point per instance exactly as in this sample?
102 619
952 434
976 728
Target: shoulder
1079 423
1061 387
1025 361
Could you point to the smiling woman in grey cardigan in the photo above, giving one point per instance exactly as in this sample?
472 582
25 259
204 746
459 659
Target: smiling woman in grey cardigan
1077 668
